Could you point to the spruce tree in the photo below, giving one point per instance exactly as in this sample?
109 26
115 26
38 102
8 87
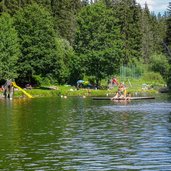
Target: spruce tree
168 39
158 31
65 20
147 37
153 30
12 6
168 24
46 3
128 12
4 6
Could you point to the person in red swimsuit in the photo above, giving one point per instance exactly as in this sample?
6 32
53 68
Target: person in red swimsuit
115 81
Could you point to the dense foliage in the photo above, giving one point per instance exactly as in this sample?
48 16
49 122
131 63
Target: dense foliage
9 48
61 41
37 38
98 41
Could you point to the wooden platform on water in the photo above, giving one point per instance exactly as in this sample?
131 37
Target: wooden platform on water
130 98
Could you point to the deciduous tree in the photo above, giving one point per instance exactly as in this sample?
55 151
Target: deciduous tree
98 41
9 47
37 38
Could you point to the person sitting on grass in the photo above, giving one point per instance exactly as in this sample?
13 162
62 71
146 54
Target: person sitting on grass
28 86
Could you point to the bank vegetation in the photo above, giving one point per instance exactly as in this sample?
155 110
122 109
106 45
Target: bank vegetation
45 43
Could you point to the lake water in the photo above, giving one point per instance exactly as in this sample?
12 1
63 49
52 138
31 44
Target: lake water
81 134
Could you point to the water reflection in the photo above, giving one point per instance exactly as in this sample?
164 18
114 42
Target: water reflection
80 134
150 107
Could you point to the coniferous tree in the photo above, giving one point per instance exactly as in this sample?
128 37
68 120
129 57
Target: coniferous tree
76 5
168 24
158 32
129 12
46 3
161 26
4 6
11 6
9 47
65 20
136 34
147 38
168 39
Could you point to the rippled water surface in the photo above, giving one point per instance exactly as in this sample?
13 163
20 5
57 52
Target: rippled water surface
81 134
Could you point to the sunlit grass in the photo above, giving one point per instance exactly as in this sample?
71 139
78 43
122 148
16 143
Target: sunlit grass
134 87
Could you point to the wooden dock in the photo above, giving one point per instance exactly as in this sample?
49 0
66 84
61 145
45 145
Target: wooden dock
130 98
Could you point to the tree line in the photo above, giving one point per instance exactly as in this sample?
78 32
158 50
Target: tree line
62 41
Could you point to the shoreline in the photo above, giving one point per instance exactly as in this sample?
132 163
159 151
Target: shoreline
70 92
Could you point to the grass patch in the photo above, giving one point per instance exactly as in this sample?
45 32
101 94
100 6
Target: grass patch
134 87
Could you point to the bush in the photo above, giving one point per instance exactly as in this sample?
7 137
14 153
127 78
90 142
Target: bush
42 80
159 63
153 77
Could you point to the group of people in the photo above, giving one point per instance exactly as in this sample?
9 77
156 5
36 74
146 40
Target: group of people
121 92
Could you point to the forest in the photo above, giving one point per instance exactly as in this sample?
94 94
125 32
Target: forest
62 41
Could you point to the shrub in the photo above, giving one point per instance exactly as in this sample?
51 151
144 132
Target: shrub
159 63
153 77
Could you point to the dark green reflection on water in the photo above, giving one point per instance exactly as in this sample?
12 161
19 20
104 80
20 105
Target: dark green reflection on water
81 134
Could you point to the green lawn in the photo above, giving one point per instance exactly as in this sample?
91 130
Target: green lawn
135 86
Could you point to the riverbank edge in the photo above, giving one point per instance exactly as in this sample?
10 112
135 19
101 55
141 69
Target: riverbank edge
71 92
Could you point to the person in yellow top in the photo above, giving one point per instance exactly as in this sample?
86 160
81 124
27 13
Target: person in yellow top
121 93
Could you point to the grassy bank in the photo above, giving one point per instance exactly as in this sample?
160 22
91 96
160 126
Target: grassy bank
72 91
136 87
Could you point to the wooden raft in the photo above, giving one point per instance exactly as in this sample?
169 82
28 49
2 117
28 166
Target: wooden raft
130 98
